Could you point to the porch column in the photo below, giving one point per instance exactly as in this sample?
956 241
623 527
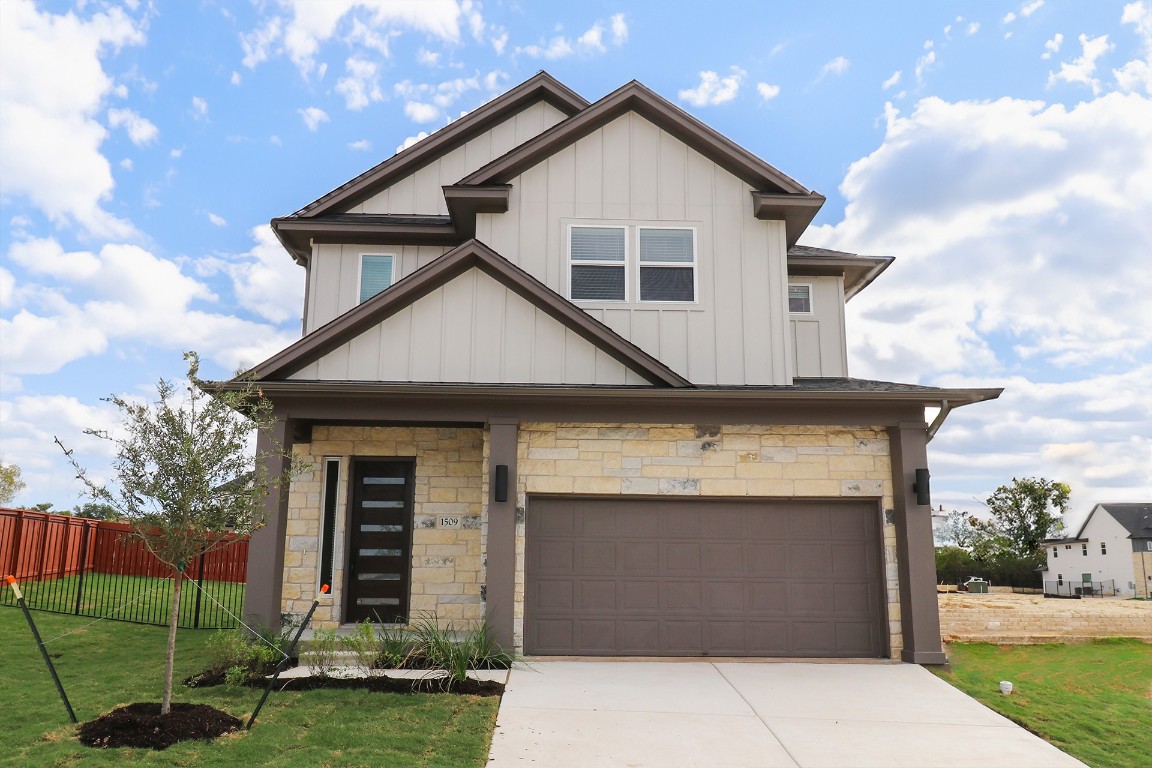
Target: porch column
265 577
500 593
919 610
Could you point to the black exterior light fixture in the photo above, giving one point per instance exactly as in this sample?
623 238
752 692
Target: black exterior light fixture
500 483
923 497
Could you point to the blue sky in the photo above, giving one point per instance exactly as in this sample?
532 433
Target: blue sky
1002 151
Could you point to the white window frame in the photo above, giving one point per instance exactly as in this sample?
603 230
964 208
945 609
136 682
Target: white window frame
1055 552
600 263
811 298
693 265
360 274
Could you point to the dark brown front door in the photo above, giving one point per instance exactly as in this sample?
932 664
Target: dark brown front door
703 577
380 544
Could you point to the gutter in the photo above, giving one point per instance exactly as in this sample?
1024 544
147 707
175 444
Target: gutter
934 427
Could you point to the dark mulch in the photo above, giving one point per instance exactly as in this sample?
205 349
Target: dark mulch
376 684
142 725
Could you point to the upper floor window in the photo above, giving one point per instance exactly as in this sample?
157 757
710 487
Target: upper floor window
375 274
602 266
1103 548
1084 550
800 298
1055 551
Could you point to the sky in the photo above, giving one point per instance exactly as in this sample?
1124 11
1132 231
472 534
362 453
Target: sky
1001 151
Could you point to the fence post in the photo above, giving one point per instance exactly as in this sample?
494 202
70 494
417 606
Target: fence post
199 592
17 530
83 565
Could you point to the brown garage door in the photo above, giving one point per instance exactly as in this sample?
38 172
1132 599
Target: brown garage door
702 577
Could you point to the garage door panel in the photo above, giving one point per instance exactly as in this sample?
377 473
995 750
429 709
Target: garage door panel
596 557
702 577
641 596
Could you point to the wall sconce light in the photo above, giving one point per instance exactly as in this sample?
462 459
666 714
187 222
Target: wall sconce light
921 488
500 483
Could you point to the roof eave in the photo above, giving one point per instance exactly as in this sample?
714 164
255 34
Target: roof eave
795 210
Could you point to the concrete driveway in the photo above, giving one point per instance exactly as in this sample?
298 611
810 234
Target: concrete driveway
582 714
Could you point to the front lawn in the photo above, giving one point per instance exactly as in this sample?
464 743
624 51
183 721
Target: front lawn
107 663
1092 700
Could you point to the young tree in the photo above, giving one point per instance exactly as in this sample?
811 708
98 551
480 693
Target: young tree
185 477
1026 512
10 482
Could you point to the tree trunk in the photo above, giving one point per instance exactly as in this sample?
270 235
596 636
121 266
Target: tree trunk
169 664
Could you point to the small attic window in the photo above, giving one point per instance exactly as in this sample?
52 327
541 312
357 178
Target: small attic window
800 298
375 274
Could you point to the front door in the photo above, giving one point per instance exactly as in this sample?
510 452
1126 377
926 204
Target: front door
380 545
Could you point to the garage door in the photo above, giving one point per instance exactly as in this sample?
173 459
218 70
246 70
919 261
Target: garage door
646 577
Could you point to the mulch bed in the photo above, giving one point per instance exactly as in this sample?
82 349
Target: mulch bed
142 725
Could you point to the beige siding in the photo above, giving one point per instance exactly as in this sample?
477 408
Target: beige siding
421 192
818 347
334 276
471 330
630 171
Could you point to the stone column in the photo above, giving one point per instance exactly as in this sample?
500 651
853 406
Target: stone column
919 610
501 555
266 547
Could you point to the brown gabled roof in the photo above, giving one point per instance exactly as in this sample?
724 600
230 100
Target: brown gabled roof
777 195
470 255
858 271
540 87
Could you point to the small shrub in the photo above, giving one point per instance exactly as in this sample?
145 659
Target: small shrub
236 676
239 654
323 651
395 648
364 647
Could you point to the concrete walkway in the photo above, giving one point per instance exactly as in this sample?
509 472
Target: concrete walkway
580 714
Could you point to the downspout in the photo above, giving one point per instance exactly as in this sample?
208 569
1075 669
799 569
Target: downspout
938 422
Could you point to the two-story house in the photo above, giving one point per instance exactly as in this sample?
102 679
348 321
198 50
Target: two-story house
565 368
1111 552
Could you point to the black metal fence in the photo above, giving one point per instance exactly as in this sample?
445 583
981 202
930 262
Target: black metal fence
1080 588
98 568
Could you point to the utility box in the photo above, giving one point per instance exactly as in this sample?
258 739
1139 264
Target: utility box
978 587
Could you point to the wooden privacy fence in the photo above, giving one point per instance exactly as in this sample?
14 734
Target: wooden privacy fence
99 568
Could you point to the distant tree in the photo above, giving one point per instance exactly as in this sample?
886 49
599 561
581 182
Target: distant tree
96 511
10 482
44 506
1027 512
185 477
960 529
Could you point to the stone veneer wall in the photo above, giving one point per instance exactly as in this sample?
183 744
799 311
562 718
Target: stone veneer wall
707 460
1142 573
447 570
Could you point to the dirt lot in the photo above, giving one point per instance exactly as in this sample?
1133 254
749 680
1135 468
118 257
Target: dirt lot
1023 619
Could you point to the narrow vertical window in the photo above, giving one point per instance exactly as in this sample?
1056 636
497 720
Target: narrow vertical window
1103 548
1084 550
1055 551
667 264
597 261
375 274
800 298
328 521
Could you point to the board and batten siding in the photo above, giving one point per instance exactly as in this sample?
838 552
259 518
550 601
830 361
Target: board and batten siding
818 339
334 275
632 172
421 192
472 329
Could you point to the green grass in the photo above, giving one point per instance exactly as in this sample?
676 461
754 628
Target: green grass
106 593
1092 700
111 663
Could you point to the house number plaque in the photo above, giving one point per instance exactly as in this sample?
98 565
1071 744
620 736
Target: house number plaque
448 521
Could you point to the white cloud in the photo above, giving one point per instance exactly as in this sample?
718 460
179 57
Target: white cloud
923 64
363 145
301 27
216 220
175 153
361 86
767 92
314 117
235 79
427 58
499 41
892 81
1052 46
973 28
714 89
73 305
412 140
140 130
1009 17
619 29
419 112
265 279
1136 75
1083 68
836 66
126 163
590 42
1028 9
199 108
50 144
